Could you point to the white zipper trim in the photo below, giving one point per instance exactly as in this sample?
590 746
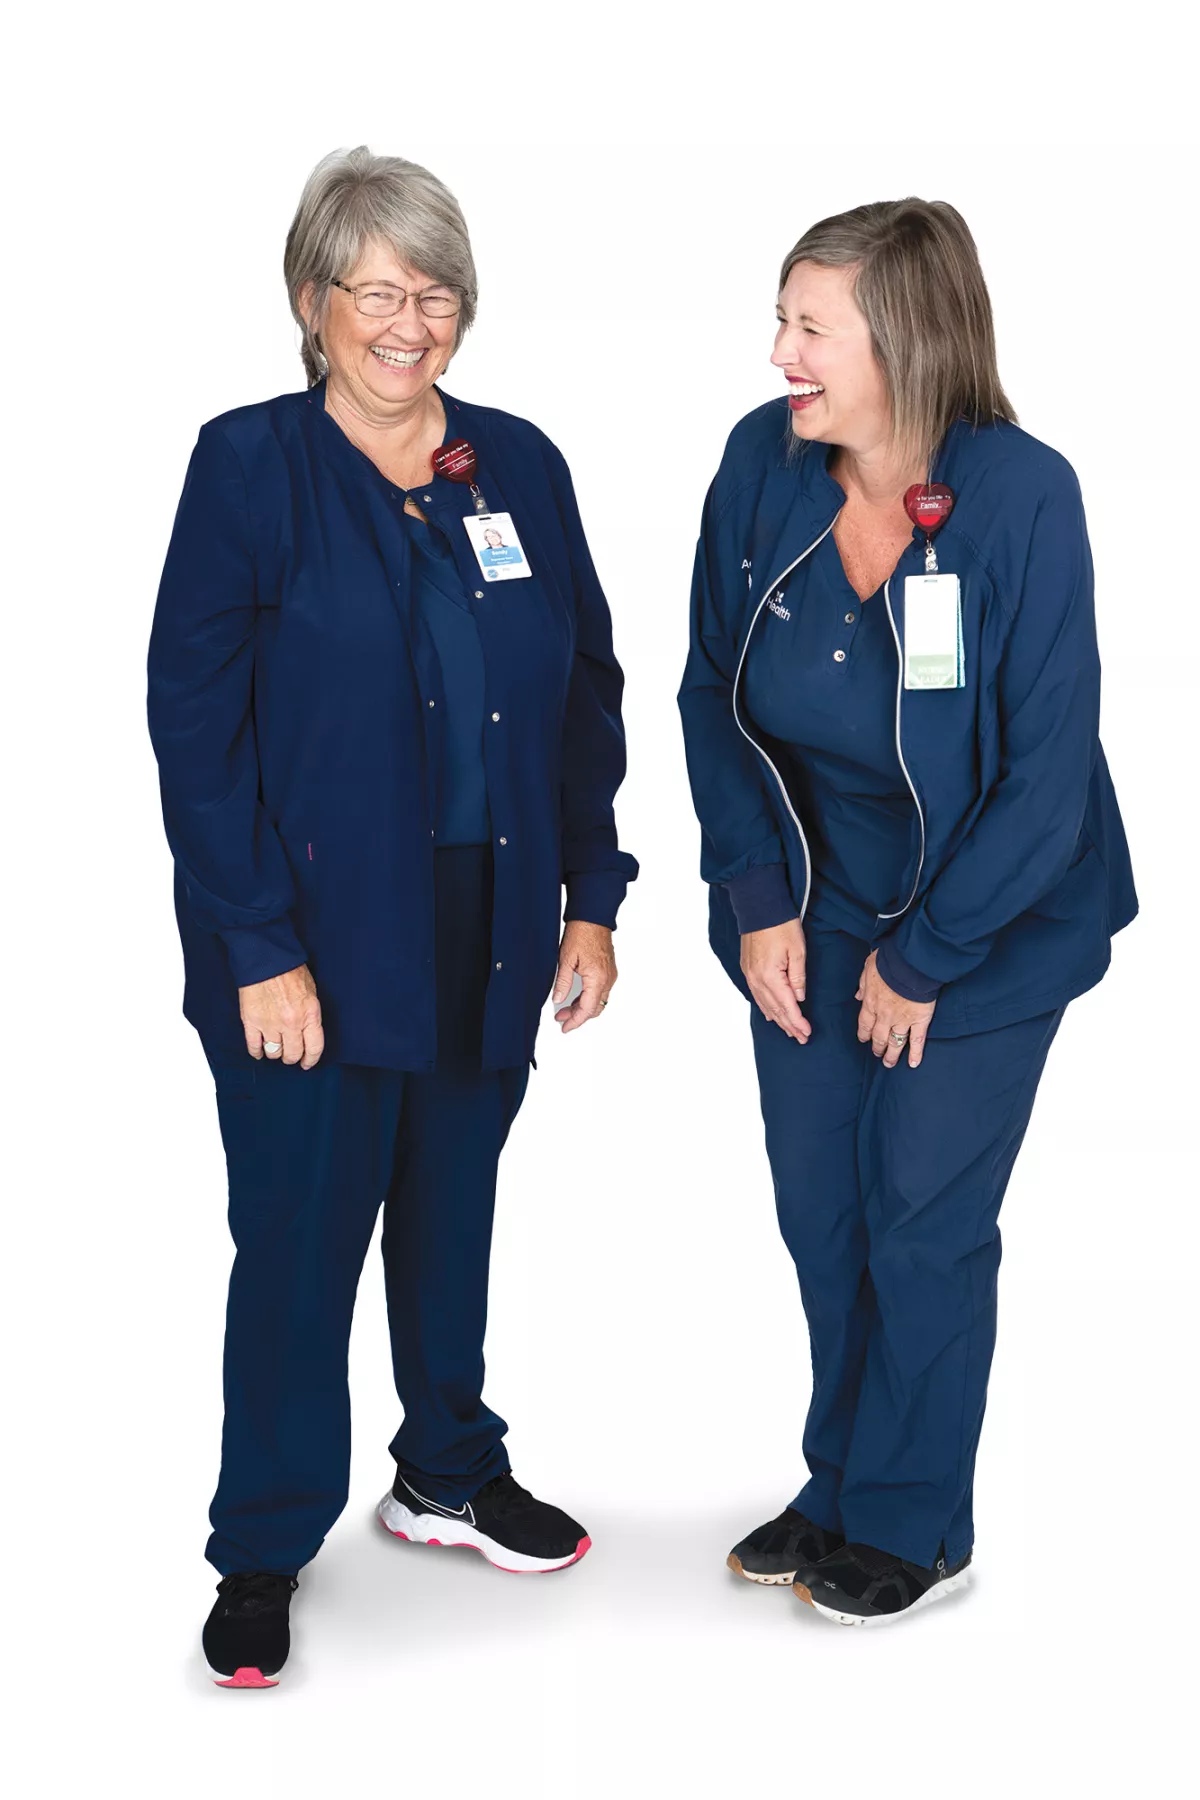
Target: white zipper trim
767 592
887 601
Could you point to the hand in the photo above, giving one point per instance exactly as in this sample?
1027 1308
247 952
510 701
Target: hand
588 950
285 1011
883 1012
773 964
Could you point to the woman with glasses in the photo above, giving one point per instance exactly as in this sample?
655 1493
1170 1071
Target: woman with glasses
915 854
381 763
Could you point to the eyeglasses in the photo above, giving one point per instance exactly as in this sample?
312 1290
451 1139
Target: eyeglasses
380 300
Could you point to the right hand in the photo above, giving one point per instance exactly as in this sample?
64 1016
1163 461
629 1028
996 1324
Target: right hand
284 1010
773 964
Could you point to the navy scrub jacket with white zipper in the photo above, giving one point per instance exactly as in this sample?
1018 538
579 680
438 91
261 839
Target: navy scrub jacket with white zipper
1019 872
295 708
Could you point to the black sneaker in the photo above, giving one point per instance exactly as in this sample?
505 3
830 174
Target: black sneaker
859 1585
774 1552
502 1521
246 1635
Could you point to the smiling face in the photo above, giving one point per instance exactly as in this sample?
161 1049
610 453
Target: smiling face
836 388
384 367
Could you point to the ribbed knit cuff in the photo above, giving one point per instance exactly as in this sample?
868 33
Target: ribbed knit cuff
593 897
902 978
761 897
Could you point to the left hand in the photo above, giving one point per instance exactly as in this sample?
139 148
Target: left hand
587 949
883 1012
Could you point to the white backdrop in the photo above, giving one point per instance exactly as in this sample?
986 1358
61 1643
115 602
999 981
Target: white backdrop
632 176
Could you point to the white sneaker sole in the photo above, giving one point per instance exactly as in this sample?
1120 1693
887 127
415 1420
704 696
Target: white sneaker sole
428 1528
949 1586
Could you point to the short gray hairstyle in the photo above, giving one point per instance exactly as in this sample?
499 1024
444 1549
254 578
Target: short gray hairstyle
350 198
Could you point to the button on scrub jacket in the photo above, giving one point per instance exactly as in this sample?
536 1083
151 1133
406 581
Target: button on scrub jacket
291 682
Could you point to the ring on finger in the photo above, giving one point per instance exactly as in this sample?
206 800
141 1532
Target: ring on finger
272 1049
898 1037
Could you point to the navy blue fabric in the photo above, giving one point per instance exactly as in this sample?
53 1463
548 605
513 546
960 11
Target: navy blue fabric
1024 874
900 975
290 681
461 805
760 897
312 1156
829 726
888 1184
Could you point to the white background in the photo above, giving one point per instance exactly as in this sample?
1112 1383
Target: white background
632 177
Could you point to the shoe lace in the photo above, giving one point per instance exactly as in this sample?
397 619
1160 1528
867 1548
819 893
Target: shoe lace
877 1563
796 1526
503 1495
256 1591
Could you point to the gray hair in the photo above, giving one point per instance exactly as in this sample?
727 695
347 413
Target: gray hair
350 198
922 292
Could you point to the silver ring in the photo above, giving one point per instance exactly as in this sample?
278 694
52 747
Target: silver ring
898 1037
272 1049
604 1003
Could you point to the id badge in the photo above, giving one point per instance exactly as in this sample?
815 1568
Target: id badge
933 646
497 547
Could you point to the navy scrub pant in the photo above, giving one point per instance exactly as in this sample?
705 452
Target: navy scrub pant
888 1184
312 1156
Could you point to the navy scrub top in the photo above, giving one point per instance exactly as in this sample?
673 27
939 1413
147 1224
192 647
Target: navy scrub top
820 684
461 803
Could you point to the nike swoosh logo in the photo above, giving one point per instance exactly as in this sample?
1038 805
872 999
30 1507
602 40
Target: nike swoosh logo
447 1512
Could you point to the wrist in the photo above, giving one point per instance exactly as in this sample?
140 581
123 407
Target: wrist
586 928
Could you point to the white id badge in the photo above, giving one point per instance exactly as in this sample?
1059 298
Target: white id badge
933 649
497 547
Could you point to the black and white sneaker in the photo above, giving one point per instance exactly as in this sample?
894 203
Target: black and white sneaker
502 1521
247 1635
859 1585
772 1554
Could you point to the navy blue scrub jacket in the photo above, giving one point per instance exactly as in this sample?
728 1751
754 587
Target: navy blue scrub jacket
296 706
1018 870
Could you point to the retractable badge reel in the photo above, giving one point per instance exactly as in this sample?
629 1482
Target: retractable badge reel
933 646
498 549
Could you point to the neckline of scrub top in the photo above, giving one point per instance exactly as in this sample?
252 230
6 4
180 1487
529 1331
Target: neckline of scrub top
828 559
341 443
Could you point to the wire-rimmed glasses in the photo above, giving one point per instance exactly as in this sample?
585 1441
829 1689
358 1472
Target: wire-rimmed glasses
380 300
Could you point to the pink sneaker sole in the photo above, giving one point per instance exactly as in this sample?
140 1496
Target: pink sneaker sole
247 1678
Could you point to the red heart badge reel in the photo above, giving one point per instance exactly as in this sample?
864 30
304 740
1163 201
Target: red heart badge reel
929 505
